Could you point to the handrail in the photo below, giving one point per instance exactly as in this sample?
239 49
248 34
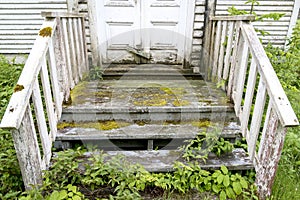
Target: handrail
16 109
239 62
283 107
50 72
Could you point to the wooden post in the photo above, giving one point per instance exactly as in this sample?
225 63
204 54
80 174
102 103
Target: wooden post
209 13
95 48
72 5
271 148
60 55
27 150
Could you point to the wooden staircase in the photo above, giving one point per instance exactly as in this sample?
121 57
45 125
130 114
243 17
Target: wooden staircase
146 112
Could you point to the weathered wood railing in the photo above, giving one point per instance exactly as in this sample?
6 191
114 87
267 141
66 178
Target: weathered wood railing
237 61
56 63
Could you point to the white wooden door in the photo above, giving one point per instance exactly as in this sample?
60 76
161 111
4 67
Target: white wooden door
155 28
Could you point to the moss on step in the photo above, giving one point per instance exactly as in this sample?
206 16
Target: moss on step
79 93
159 96
100 125
151 102
202 123
180 102
174 90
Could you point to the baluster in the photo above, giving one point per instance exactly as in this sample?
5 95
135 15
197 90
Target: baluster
61 61
72 51
228 50
244 116
216 50
83 44
222 50
77 48
256 118
240 75
42 125
52 118
68 54
233 59
54 81
211 51
27 150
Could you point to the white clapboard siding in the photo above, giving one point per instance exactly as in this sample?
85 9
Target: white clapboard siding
278 30
20 21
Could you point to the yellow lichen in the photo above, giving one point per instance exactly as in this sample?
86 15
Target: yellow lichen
18 88
102 94
202 123
45 32
100 125
180 102
178 91
79 93
151 102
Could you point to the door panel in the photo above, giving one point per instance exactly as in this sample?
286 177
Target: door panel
155 27
168 20
118 20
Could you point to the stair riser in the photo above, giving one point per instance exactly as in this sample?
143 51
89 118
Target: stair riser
118 145
147 116
152 76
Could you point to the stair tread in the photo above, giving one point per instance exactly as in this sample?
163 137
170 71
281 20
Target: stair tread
163 160
184 130
148 93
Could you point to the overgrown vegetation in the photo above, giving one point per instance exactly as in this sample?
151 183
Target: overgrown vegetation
71 177
287 65
10 175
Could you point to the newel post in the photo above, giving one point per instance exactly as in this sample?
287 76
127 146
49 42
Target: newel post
269 155
93 24
72 5
209 13
27 150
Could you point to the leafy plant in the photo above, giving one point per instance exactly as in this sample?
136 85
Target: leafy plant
204 143
273 15
10 175
95 73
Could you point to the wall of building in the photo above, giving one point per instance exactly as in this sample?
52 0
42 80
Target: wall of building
20 21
